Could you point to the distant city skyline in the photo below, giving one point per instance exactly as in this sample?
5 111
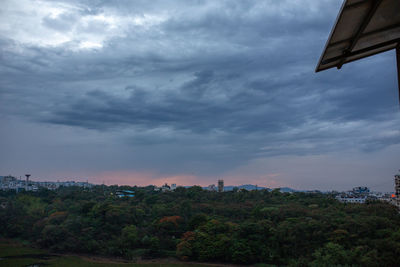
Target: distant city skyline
10 182
171 182
189 92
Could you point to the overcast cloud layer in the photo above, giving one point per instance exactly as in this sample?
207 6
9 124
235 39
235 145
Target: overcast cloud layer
141 92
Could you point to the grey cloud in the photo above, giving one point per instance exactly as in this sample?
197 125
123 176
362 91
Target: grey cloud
62 23
222 81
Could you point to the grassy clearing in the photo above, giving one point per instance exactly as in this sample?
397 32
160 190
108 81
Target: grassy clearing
12 254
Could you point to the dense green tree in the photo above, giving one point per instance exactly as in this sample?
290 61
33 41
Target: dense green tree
242 227
331 254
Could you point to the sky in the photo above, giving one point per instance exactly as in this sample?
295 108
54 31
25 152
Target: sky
189 92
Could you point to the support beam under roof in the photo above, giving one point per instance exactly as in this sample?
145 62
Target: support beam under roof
391 44
360 31
398 66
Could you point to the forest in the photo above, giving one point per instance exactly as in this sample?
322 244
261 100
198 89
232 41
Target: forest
192 224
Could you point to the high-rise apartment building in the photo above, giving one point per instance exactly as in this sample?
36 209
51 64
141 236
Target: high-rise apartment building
397 189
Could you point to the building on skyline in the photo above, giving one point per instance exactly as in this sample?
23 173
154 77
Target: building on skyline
221 185
361 190
165 188
211 187
397 189
125 193
27 181
173 186
361 194
351 199
11 183
7 179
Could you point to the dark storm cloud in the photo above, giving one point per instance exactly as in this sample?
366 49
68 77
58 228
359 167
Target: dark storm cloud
225 80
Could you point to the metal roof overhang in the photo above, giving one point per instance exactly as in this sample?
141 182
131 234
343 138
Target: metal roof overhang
363 28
